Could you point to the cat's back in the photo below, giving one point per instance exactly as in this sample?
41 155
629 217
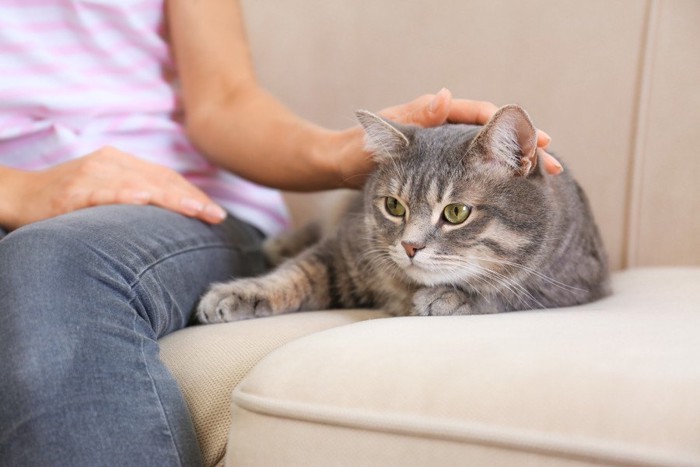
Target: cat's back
574 255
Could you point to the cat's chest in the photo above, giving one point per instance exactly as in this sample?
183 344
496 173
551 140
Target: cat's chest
393 295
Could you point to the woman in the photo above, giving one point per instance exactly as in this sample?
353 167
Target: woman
115 189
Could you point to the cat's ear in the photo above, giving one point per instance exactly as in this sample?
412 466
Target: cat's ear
383 138
509 139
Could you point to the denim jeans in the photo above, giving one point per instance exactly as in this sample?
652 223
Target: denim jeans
84 298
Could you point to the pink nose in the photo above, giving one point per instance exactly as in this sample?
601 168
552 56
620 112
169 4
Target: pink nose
411 248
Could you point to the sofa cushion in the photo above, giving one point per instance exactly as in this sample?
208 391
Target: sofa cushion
208 362
612 382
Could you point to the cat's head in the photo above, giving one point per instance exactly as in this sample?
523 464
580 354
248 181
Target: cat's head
456 203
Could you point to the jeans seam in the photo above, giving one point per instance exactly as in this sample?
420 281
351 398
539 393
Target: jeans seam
155 263
134 283
139 276
155 390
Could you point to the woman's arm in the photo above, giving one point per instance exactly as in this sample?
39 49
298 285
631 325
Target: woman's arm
10 182
236 123
242 128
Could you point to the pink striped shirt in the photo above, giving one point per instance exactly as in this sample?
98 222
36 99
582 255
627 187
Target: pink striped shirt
77 75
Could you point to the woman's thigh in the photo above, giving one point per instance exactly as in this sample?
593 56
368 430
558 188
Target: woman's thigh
85 297
158 261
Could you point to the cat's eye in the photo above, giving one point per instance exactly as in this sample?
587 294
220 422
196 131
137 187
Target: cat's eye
394 207
456 213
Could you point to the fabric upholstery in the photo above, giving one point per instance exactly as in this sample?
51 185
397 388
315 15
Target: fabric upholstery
616 86
665 188
209 361
612 382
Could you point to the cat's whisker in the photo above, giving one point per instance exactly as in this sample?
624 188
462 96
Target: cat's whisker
477 275
511 285
519 266
534 272
514 287
388 268
381 262
498 279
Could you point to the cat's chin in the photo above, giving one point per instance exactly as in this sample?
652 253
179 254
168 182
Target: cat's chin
426 277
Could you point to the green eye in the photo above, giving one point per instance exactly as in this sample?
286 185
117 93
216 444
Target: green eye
456 213
394 207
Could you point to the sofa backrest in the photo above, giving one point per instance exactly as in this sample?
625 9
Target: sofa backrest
616 84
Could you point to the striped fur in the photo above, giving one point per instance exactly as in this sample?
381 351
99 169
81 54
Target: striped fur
529 242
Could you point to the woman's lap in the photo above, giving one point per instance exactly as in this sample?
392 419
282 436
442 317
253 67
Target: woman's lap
85 297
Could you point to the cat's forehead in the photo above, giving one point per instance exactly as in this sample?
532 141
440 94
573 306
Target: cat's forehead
424 187
430 187
435 168
436 149
445 137
439 151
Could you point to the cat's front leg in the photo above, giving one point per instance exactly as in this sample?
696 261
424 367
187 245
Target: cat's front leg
441 301
237 300
299 284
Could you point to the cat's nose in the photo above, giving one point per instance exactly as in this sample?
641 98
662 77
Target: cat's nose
411 248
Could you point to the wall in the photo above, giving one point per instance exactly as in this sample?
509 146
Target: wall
616 84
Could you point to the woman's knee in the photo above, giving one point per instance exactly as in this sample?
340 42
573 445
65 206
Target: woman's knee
48 280
48 267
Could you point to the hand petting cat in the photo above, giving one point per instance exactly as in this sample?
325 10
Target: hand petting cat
433 110
430 110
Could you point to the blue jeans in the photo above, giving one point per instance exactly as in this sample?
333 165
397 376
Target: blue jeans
83 299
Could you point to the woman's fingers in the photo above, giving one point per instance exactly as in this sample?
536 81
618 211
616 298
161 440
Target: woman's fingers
163 187
480 112
427 110
185 199
435 109
471 112
188 204
543 139
550 163
111 176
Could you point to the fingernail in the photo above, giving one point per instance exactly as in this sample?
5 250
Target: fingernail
216 212
556 163
436 100
546 137
192 206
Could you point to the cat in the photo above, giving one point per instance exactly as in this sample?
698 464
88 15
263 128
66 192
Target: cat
455 220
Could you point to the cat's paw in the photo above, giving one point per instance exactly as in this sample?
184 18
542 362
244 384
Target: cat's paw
440 301
233 301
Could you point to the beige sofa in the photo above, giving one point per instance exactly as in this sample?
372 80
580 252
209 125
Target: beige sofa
617 382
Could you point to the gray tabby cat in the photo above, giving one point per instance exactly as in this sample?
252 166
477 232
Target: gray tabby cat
455 220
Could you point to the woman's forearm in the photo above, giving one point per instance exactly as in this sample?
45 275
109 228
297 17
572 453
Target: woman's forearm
11 181
235 123
253 135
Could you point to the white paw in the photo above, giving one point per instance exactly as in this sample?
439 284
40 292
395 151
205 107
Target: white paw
440 301
233 301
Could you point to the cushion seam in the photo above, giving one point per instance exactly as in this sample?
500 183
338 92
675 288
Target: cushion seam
530 441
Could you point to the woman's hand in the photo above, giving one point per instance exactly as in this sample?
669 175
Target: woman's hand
427 111
433 110
106 176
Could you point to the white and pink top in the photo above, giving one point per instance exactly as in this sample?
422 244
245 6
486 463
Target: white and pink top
77 75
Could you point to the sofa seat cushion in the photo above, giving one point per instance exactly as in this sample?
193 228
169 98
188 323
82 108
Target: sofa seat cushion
209 361
613 382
